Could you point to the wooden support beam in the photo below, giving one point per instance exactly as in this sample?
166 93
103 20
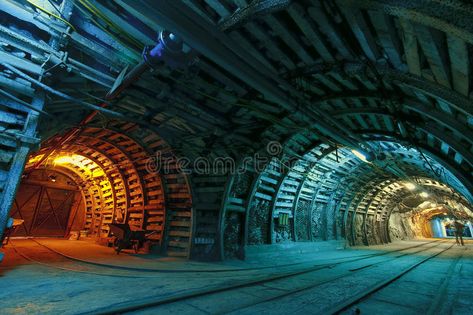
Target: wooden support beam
309 29
49 185
388 37
327 28
219 8
289 39
18 163
460 61
250 48
362 32
411 47
274 51
435 49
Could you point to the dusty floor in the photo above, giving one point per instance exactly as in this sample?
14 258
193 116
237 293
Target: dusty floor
35 279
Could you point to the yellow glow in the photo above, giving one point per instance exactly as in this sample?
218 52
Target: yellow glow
69 159
424 194
98 172
35 159
84 163
359 155
410 186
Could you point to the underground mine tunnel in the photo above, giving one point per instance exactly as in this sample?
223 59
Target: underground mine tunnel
236 156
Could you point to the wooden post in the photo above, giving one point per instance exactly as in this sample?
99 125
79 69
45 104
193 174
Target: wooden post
19 160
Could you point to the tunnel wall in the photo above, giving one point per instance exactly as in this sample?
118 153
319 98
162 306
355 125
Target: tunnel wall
326 195
401 227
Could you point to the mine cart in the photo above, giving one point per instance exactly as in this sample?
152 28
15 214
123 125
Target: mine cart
126 238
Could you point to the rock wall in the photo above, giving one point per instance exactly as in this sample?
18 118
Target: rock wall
303 218
402 227
258 222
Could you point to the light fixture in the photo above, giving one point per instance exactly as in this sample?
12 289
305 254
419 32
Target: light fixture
360 155
410 186
424 194
66 159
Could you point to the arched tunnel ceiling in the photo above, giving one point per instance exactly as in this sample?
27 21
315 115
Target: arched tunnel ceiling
367 70
387 78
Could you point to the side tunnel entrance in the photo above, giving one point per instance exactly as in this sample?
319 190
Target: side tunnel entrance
49 203
100 178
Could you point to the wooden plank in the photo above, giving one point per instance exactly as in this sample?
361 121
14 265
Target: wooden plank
155 219
326 27
263 196
235 208
361 30
9 118
388 37
297 13
344 81
155 227
247 46
435 50
219 8
327 82
178 244
460 63
6 156
181 223
411 47
289 39
179 233
275 52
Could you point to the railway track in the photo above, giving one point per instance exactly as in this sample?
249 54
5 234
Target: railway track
68 263
152 303
346 304
104 266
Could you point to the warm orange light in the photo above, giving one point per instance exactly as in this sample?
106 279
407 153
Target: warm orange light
80 161
35 159
69 159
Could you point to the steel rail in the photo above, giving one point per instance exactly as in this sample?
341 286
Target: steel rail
149 270
341 306
213 290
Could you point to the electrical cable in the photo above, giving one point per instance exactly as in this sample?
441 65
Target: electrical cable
55 8
52 14
109 25
68 97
